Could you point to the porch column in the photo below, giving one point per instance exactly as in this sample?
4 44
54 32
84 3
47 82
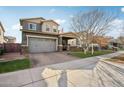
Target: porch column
60 46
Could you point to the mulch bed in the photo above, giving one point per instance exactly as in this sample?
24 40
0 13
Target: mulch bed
118 59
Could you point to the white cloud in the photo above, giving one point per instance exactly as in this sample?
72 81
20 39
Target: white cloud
52 10
118 23
60 21
122 9
16 26
71 16
117 28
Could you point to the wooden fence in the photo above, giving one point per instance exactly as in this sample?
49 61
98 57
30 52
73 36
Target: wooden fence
11 47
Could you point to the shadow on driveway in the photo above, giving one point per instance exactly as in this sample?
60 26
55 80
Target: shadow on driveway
42 59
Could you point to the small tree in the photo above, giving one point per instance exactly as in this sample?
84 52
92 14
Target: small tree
88 25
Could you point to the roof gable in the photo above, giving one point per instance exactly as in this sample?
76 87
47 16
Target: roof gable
68 34
36 20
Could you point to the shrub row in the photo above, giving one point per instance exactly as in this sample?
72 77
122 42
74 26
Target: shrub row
1 51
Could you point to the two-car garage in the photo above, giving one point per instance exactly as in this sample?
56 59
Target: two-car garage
37 45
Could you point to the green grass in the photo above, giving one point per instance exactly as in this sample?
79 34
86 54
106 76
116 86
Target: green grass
122 49
96 53
14 65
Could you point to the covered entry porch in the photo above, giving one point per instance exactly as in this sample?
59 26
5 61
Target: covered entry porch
63 44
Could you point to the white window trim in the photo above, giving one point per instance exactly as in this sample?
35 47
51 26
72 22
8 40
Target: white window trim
32 24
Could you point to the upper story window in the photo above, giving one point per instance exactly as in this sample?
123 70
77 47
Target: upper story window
47 28
54 29
32 26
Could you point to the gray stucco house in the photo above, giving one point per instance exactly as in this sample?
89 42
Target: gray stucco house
41 35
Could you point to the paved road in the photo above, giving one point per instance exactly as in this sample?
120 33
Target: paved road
77 73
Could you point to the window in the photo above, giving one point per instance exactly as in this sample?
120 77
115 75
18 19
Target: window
77 42
47 28
32 26
54 30
72 42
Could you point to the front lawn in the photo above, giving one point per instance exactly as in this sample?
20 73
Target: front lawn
96 53
14 65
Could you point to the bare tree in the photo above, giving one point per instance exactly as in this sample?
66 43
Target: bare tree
121 37
88 25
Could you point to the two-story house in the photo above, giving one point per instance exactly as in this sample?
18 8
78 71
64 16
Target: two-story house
2 34
41 35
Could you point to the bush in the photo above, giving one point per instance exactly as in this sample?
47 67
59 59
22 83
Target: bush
75 49
1 51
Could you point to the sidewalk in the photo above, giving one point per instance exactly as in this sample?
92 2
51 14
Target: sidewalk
70 74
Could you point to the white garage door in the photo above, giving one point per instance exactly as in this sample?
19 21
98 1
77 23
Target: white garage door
37 45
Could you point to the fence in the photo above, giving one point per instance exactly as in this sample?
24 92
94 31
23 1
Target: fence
11 47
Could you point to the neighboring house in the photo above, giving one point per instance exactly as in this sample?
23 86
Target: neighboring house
99 42
121 41
2 31
102 41
5 39
41 35
10 39
116 43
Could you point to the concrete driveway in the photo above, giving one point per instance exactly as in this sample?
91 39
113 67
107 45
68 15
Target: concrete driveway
42 59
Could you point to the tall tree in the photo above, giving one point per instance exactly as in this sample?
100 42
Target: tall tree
88 25
121 37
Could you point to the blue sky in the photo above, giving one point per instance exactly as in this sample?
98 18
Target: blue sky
9 16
